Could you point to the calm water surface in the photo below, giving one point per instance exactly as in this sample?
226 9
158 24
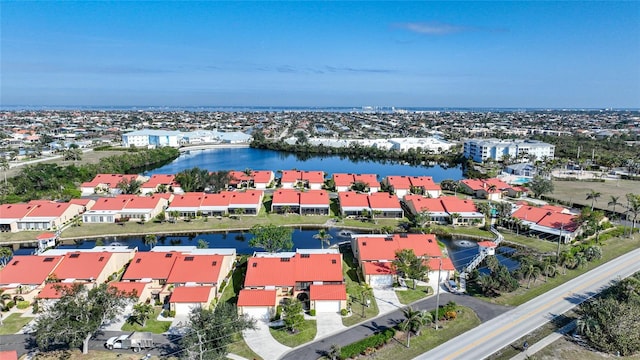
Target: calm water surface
258 159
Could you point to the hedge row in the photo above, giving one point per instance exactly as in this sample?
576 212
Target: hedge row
371 342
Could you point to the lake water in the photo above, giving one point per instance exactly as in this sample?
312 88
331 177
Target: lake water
462 251
258 159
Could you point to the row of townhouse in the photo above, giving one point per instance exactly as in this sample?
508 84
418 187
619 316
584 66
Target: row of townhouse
491 189
182 277
445 209
552 222
40 214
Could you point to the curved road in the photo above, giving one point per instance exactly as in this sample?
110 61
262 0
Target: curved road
316 349
501 331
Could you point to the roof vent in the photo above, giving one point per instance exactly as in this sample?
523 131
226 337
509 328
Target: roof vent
364 243
138 261
255 264
214 263
47 259
101 258
403 235
188 258
304 255
285 259
15 263
73 256
388 238
333 261
168 255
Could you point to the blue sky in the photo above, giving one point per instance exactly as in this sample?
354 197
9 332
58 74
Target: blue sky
432 54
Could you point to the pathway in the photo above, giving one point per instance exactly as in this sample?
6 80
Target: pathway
551 338
262 343
387 300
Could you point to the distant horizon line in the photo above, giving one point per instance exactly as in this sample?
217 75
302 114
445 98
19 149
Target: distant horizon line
362 108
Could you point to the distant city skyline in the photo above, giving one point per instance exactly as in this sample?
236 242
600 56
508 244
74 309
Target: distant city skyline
321 54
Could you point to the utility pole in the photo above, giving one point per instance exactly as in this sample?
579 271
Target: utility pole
559 240
438 293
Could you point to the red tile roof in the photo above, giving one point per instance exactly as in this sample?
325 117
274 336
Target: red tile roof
196 268
353 199
82 202
9 355
159 179
53 290
530 213
382 200
456 205
313 177
216 200
111 180
384 248
129 287
487 244
421 203
399 182
328 292
343 179
378 268
314 197
257 298
82 265
262 176
370 179
143 202
28 269
15 211
424 182
290 176
46 236
150 265
235 177
191 294
434 264
187 200
249 197
286 196
556 220
51 209
111 204
273 271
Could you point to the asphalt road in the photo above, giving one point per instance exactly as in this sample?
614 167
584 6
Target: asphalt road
312 351
501 331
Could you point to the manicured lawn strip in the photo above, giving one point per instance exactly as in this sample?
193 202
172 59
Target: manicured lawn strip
463 230
13 323
410 295
240 347
306 333
611 249
429 338
351 279
230 293
92 355
152 325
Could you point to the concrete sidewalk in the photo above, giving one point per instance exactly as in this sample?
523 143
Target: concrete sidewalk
545 342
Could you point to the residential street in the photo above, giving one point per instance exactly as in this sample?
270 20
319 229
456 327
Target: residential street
499 332
314 350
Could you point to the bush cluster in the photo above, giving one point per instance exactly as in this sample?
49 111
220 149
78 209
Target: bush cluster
23 305
371 342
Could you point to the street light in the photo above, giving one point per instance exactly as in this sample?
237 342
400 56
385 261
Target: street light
438 293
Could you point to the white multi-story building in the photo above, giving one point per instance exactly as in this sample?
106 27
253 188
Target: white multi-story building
151 138
480 150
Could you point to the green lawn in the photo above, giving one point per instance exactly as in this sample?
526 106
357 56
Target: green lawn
230 293
152 325
429 337
353 285
410 295
542 246
306 333
240 347
13 323
611 249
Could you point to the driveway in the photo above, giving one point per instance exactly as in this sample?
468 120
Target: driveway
117 323
328 323
262 343
387 300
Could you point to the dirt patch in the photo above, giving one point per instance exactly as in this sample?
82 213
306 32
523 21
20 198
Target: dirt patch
90 157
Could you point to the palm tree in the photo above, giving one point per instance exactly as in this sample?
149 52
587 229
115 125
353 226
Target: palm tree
633 209
150 240
422 218
4 165
593 196
580 260
413 322
334 352
324 237
141 313
613 201
5 255
531 272
593 253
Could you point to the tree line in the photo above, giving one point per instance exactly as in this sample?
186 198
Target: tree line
61 182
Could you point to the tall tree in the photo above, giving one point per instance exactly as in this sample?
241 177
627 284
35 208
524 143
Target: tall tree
5 255
219 180
292 314
271 238
540 186
593 196
4 166
413 322
77 315
633 209
410 265
141 313
422 218
150 240
324 237
613 201
212 331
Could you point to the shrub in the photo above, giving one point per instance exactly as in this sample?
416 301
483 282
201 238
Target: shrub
450 315
344 312
23 305
312 312
223 284
10 305
364 345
